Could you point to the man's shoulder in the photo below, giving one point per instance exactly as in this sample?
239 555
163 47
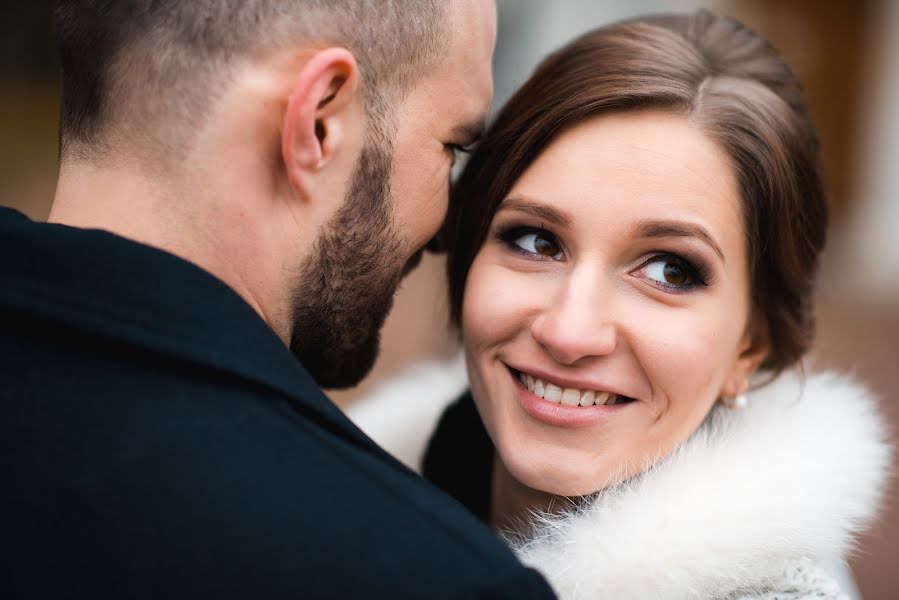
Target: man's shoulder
246 493
152 424
170 467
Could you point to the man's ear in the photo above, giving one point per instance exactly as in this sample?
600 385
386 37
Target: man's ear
754 349
314 122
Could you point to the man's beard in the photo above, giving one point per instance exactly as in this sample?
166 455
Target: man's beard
345 292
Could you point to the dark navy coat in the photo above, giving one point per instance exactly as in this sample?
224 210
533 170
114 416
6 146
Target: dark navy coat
157 440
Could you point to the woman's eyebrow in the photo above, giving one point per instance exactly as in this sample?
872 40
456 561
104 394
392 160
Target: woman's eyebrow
660 229
537 209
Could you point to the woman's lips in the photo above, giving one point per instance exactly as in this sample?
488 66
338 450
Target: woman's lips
564 407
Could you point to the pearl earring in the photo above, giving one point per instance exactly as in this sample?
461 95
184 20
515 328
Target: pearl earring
737 402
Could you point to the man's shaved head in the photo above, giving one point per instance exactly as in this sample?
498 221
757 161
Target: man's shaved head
144 71
299 150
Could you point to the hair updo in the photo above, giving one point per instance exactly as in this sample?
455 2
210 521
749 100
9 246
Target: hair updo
731 84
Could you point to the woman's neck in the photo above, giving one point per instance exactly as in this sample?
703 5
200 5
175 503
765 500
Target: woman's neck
512 503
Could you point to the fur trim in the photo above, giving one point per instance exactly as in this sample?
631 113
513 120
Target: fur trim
792 477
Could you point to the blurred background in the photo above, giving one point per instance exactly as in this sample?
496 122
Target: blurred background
846 53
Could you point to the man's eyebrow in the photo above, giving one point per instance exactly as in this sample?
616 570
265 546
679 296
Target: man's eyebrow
659 229
469 133
537 209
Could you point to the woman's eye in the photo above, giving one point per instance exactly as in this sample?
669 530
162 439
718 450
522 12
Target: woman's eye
671 273
540 243
534 242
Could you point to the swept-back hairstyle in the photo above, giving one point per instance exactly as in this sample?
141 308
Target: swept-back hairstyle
154 65
731 84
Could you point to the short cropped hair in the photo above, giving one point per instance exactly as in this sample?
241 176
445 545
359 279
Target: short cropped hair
149 67
728 81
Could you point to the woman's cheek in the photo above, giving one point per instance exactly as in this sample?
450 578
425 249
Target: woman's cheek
687 358
495 303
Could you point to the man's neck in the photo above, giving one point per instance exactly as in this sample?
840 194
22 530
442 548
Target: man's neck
128 203
118 200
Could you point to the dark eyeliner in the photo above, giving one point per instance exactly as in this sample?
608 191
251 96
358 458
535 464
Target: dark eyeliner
507 234
698 272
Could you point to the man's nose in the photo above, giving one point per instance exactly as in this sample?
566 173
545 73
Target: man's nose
577 323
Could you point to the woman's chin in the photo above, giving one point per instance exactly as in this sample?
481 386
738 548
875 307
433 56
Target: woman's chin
572 479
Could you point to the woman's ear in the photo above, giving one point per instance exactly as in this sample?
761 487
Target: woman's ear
315 120
754 347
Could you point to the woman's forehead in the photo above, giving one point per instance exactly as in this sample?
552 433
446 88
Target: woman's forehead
628 164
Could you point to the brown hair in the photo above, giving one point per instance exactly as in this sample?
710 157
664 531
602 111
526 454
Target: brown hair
143 62
728 81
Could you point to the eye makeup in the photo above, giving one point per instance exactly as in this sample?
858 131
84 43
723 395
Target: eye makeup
546 245
670 271
674 267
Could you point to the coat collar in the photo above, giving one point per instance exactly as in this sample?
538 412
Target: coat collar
112 287
792 477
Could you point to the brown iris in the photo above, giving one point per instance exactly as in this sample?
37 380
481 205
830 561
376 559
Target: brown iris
675 274
546 246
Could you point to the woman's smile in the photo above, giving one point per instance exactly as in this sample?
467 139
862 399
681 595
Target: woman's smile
554 401
608 308
636 237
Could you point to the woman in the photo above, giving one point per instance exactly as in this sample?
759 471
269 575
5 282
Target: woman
632 257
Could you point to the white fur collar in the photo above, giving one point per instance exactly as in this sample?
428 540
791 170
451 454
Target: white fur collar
794 475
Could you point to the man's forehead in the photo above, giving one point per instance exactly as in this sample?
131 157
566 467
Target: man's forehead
474 28
462 83
461 86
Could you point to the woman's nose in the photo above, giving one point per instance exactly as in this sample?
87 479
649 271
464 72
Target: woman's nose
574 327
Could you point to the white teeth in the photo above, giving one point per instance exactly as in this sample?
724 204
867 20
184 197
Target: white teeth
587 398
553 393
571 397
566 396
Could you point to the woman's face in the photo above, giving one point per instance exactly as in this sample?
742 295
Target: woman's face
609 306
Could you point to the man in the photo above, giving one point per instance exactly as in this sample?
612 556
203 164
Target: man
242 184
